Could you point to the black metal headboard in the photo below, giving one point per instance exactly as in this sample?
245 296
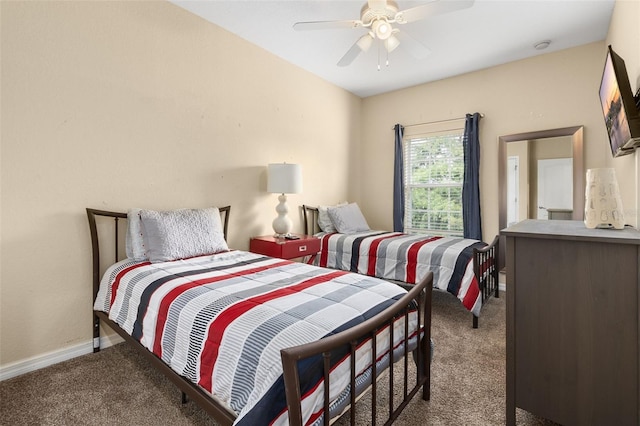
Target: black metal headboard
310 216
95 247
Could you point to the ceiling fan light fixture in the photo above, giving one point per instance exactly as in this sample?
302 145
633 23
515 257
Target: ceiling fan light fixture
391 43
381 28
364 42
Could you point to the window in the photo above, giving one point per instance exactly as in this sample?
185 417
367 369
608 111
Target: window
433 175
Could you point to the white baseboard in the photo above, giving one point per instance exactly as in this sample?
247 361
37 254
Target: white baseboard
41 361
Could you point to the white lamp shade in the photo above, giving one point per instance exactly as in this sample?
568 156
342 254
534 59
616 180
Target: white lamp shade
391 43
284 178
364 42
381 28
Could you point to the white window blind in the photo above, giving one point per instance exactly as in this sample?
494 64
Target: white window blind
433 175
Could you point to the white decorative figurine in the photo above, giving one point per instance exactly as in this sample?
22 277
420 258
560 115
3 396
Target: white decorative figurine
603 205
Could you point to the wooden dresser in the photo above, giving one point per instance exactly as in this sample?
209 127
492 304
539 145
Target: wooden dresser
573 323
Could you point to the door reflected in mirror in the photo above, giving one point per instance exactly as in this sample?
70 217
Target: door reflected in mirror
540 179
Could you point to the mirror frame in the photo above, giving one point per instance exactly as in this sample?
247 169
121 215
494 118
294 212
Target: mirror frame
576 133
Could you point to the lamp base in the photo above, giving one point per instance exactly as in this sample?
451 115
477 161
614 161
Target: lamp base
282 224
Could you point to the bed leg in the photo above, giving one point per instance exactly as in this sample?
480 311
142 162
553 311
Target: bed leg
96 333
475 321
496 270
184 398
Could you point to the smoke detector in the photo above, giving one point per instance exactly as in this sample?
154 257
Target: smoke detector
542 44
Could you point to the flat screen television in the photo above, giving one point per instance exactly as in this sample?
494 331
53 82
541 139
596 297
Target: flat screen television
621 114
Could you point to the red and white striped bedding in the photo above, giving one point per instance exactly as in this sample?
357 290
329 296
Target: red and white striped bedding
407 258
221 321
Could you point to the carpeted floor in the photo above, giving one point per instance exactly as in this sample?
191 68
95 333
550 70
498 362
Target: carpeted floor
118 387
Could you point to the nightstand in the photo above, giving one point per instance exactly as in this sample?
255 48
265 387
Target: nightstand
306 245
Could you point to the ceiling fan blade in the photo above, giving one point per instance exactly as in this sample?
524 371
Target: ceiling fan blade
435 7
348 57
361 45
326 25
413 46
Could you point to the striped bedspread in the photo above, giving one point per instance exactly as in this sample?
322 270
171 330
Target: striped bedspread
221 320
407 258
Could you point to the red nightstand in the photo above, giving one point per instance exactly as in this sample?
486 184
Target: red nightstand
307 245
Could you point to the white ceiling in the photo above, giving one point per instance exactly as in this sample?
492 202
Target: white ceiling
489 33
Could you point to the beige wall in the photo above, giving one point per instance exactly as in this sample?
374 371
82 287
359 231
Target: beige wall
121 104
113 105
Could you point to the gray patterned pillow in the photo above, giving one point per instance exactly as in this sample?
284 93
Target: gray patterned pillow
324 221
179 234
348 219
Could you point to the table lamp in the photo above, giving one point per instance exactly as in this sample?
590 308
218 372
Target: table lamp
283 178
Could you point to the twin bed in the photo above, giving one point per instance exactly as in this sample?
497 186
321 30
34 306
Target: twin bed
466 268
253 339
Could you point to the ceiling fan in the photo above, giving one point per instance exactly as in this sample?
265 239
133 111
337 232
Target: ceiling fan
378 17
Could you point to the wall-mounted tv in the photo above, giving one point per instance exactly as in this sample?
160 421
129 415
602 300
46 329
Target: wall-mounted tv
621 115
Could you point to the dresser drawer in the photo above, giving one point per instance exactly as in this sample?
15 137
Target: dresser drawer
306 245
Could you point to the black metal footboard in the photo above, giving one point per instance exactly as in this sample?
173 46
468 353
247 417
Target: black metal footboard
485 268
369 330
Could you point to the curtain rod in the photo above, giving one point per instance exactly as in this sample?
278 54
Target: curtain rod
439 121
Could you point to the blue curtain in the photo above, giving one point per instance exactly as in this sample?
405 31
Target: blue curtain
471 183
398 182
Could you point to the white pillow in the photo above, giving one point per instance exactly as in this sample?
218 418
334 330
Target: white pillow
134 242
324 221
179 234
348 219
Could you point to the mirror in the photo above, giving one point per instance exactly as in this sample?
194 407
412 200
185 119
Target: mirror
539 148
